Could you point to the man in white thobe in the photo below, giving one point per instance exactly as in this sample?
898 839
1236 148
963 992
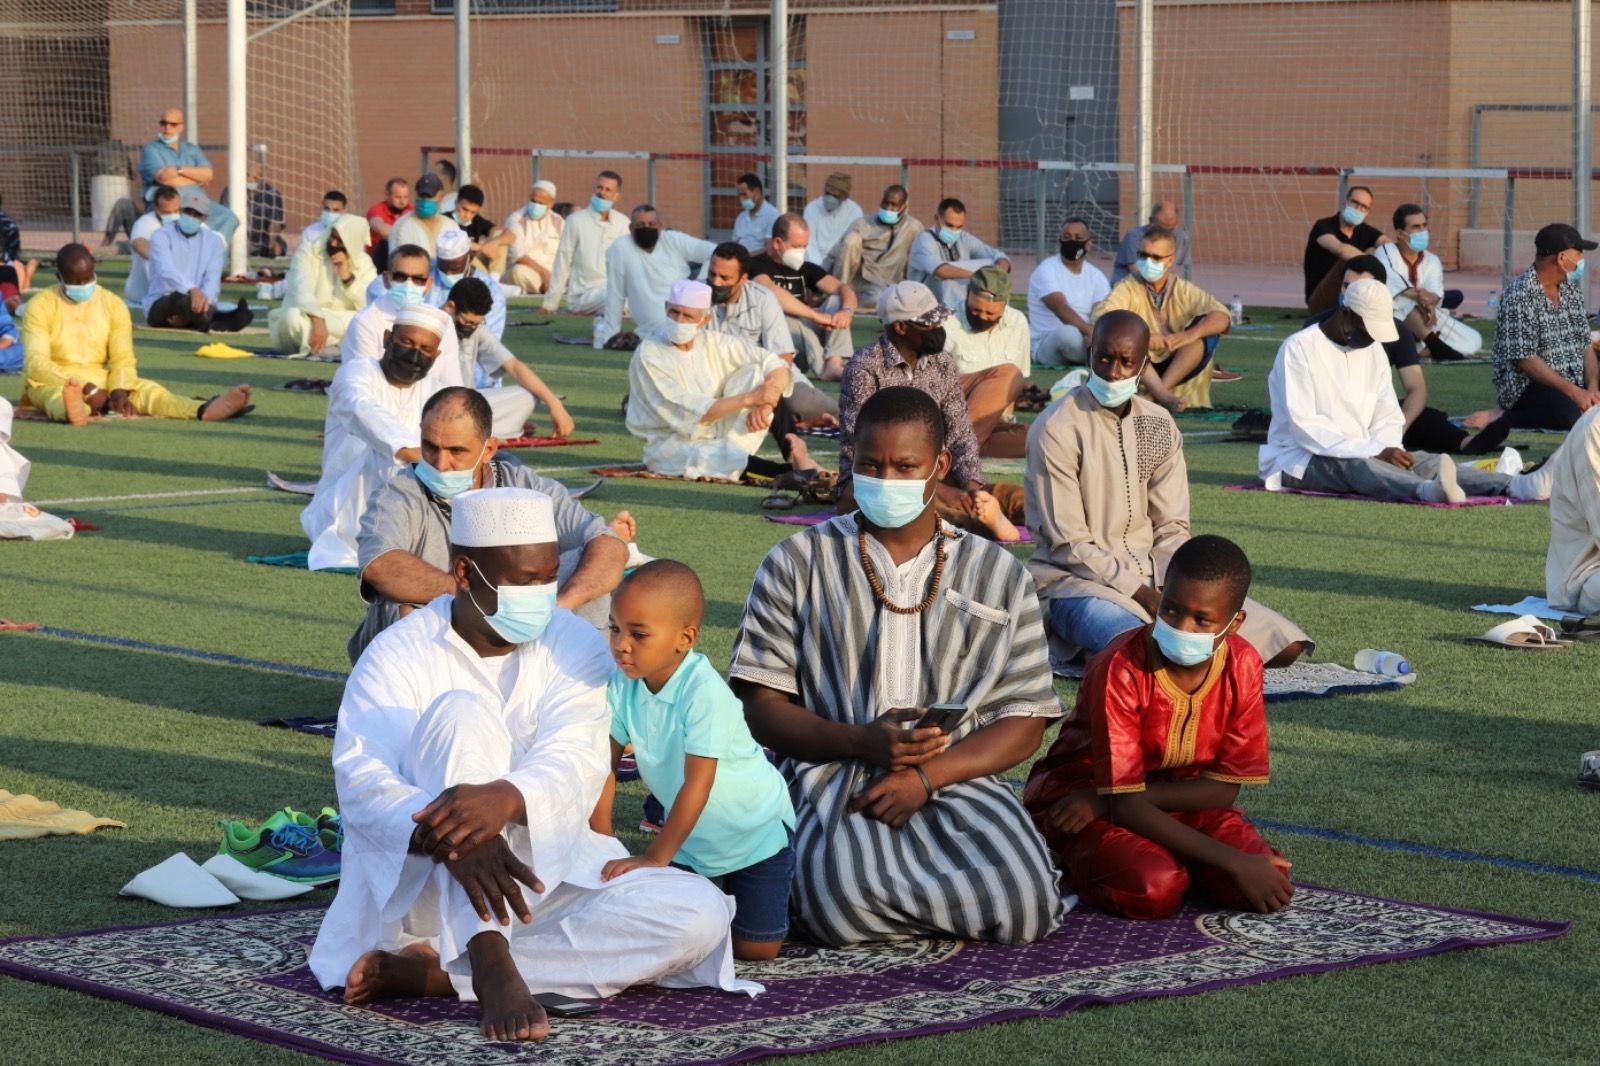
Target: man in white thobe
471 750
409 282
452 263
1572 567
1416 280
580 270
944 256
829 217
374 424
640 272
20 520
753 225
326 288
535 234
702 402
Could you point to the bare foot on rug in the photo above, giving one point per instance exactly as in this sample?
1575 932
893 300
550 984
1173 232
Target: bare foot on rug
410 972
994 519
225 405
509 1010
800 455
624 526
72 397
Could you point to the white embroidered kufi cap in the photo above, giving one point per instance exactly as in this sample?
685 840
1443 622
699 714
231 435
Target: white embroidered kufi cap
490 518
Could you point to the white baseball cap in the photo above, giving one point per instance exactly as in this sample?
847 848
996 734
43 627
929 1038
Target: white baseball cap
1370 299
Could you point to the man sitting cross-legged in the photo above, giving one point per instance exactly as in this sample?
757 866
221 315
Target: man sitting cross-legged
853 630
77 347
1136 795
1107 491
374 424
702 402
1337 426
186 260
403 549
471 750
408 282
1572 565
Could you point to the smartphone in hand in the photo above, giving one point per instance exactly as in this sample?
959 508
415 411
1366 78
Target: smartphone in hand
944 715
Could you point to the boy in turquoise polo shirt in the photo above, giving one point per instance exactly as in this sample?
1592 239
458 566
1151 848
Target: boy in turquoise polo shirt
729 817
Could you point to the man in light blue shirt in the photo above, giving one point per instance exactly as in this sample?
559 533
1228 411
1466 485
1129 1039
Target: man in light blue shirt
185 272
753 225
945 255
171 159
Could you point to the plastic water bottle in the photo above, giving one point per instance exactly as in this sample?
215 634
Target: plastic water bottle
1236 309
1373 661
1494 302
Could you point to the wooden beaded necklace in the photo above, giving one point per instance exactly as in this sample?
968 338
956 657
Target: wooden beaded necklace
940 536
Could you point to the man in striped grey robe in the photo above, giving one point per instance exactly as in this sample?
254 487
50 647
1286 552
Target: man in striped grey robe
822 667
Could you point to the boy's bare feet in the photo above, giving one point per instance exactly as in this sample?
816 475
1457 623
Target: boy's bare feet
72 397
509 1010
226 404
410 972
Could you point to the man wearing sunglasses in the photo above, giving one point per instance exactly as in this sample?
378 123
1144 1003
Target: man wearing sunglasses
172 159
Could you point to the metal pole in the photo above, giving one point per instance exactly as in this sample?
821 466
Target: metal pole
1582 135
778 70
650 179
238 141
1144 126
77 198
1188 216
1507 226
191 85
533 168
1042 205
463 92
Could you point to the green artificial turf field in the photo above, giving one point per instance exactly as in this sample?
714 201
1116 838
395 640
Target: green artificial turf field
1478 756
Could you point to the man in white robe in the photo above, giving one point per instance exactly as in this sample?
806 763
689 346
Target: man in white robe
640 272
472 748
579 273
409 282
1572 475
534 233
829 217
326 288
20 520
374 424
701 401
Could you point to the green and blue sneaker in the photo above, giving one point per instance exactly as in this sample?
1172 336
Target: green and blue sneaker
330 830
283 848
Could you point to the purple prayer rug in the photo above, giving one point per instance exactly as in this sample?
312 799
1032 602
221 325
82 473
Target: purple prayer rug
246 974
1470 501
816 518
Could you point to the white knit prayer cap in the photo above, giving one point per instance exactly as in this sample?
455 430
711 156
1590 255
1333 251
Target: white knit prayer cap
547 185
691 294
430 318
489 518
453 244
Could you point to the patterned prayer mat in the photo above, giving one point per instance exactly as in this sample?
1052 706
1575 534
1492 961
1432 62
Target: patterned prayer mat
816 518
754 481
246 974
1470 501
1300 681
547 442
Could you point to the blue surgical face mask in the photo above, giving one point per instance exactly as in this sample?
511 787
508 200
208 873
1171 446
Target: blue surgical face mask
164 219
948 235
537 211
427 208
189 225
1418 241
1578 271
1185 649
451 279
329 216
830 203
1112 393
1353 216
79 293
888 217
747 204
600 204
1151 270
890 504
405 293
169 139
524 611
448 484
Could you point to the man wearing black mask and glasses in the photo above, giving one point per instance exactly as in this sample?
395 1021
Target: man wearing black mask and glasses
374 424
1337 425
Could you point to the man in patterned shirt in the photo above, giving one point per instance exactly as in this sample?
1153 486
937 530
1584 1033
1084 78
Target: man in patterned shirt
1544 366
1107 493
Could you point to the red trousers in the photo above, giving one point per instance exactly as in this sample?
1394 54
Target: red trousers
1116 870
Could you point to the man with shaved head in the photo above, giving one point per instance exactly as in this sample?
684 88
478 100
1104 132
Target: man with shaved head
374 424
77 343
1165 215
172 159
818 306
1107 496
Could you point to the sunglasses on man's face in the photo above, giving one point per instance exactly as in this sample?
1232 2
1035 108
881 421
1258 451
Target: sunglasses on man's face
164 123
420 279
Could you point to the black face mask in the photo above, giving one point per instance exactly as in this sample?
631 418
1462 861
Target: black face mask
1072 251
406 365
981 325
932 341
1355 334
721 294
646 237
465 332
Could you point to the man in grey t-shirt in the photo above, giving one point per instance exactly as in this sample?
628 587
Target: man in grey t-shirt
403 549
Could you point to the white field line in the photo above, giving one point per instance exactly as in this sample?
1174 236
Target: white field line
148 496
